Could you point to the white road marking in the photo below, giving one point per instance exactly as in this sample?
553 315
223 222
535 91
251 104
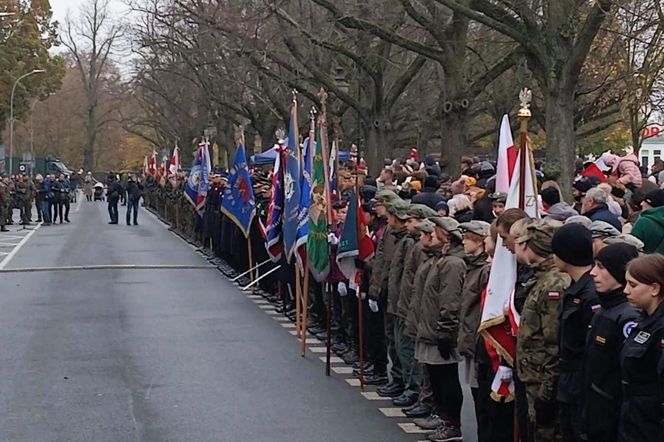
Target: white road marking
373 396
288 325
317 349
266 306
333 359
281 319
411 428
392 412
342 370
353 382
14 251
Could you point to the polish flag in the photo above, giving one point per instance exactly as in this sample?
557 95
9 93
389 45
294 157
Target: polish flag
174 165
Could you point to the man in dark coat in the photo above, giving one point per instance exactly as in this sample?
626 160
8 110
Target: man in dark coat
428 196
595 207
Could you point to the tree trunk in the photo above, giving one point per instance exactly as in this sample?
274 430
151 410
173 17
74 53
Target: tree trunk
453 140
560 138
375 145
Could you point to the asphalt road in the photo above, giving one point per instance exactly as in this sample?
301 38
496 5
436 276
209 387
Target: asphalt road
157 354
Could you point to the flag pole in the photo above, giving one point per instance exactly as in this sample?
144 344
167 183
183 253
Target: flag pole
312 141
524 116
298 282
360 301
250 255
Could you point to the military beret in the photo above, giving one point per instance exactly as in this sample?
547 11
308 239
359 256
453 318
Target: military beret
450 225
499 197
601 229
398 208
421 211
425 226
386 196
626 239
477 227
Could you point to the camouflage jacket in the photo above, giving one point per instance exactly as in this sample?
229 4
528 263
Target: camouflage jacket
430 255
380 266
413 261
537 344
477 277
402 242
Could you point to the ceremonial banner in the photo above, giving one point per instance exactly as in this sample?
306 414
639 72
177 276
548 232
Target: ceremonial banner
355 242
332 172
273 230
238 202
305 202
318 252
198 184
292 176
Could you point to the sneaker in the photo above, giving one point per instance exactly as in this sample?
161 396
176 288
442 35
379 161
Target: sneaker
446 433
429 423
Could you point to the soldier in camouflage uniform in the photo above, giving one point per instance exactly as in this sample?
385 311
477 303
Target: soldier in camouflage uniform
537 343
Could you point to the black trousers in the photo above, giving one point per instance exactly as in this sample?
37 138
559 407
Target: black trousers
66 206
495 420
525 428
113 210
374 337
447 391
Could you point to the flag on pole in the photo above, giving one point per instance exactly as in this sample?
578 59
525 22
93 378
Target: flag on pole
174 165
332 170
305 201
146 167
355 242
238 202
292 176
496 320
198 184
273 230
318 252
152 163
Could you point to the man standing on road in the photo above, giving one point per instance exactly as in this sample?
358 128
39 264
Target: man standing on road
4 197
134 192
113 197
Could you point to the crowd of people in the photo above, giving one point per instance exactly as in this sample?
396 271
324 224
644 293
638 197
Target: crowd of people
588 361
51 196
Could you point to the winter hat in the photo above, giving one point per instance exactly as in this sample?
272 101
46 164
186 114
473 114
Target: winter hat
442 205
573 244
655 198
431 181
615 258
582 185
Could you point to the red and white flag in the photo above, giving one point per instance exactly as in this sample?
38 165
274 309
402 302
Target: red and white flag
174 165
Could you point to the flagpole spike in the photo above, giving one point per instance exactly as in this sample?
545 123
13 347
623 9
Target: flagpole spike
323 99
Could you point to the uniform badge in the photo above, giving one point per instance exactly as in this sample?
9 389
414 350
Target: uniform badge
595 308
661 343
554 296
642 337
627 328
601 340
576 301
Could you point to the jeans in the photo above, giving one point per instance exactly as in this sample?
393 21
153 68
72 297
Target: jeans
46 211
132 205
113 210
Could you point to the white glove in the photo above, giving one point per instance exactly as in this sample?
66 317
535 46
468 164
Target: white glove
341 288
373 305
332 239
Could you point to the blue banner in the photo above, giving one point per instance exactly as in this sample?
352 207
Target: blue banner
198 181
238 202
292 185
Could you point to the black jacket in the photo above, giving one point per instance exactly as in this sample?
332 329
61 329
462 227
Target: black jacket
113 192
579 304
602 213
642 411
602 392
428 197
134 190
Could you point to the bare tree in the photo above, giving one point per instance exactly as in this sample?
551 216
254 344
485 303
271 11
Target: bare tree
91 40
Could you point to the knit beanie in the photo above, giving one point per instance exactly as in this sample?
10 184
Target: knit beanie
573 244
615 258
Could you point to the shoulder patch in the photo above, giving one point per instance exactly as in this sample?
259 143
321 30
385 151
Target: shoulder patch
661 343
642 337
627 328
554 296
595 308
576 301
600 340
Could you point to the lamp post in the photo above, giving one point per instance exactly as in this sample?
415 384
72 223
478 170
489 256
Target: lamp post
11 117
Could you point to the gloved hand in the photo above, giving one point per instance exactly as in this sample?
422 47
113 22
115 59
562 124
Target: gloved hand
342 289
332 239
373 306
445 348
545 412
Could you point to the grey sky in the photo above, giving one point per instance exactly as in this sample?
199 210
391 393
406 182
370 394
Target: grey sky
60 7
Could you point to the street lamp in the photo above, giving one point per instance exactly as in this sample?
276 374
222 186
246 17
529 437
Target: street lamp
11 117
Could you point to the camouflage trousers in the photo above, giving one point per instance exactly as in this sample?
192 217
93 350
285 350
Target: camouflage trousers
540 433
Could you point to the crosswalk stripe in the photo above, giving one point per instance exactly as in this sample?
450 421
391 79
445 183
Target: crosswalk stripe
353 382
318 349
333 359
343 370
373 396
281 318
411 428
392 412
266 307
288 325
